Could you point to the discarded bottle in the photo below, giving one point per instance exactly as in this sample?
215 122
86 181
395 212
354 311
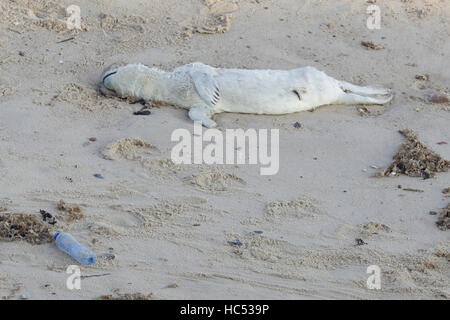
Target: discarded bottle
72 247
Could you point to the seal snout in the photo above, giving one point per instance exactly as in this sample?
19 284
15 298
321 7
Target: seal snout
108 74
106 86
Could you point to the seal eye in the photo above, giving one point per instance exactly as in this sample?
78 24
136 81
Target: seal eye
109 74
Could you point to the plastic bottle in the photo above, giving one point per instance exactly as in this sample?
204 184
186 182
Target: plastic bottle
72 247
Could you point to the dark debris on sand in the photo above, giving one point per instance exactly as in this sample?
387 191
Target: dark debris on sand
415 159
26 227
444 218
371 45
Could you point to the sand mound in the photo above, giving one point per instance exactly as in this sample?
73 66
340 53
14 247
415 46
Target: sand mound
214 24
136 149
128 148
406 272
415 159
84 97
374 227
214 181
73 211
104 230
25 14
127 23
216 20
126 296
300 208
156 215
24 227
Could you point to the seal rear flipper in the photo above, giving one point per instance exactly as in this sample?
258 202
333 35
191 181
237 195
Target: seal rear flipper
352 98
361 90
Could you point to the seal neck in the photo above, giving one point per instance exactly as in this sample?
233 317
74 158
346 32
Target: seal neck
160 84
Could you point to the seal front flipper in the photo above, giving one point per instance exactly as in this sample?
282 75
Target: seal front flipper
202 115
206 86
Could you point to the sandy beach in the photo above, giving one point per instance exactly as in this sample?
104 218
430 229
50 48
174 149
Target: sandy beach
223 231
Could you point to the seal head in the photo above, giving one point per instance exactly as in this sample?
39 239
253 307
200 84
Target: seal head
126 81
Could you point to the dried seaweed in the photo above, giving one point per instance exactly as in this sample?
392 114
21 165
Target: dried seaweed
126 296
415 159
371 45
444 218
26 227
73 211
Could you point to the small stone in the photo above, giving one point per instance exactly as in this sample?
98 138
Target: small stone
107 256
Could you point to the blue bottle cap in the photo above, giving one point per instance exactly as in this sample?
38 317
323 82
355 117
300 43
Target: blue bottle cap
55 236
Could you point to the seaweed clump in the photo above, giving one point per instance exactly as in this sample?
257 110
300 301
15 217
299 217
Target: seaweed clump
28 227
444 218
73 211
415 159
126 296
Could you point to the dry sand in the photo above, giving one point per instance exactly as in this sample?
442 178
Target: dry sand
173 228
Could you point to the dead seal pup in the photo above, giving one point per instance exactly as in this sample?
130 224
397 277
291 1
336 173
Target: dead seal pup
205 90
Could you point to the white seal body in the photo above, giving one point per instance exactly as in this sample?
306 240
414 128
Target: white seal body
274 91
206 90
